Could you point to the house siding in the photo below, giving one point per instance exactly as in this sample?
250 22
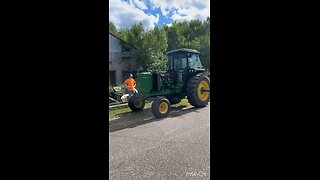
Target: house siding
116 61
114 44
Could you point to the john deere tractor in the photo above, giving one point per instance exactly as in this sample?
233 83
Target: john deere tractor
184 78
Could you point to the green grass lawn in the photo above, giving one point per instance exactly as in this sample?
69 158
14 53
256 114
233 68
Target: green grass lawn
119 110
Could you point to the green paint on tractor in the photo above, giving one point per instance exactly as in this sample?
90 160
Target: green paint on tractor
184 78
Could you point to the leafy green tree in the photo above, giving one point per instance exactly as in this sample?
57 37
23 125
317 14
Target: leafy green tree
156 46
112 28
194 34
151 45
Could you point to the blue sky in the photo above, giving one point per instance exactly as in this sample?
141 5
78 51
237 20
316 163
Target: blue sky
124 13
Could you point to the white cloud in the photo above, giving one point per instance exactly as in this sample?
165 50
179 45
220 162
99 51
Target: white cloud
125 14
183 9
169 25
178 17
140 4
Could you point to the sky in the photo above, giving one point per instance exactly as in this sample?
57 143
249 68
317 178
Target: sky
151 13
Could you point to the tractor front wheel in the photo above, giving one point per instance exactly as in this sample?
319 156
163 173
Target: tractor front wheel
161 107
136 103
198 90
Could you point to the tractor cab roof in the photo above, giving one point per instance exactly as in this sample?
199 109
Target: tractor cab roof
184 50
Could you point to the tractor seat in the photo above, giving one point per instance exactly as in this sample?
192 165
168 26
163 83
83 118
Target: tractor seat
117 88
172 73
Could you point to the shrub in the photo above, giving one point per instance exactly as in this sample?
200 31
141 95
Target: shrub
123 88
110 90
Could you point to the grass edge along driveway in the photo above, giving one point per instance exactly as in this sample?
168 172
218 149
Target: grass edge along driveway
114 112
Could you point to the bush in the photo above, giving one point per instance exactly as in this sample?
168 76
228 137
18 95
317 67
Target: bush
123 88
110 90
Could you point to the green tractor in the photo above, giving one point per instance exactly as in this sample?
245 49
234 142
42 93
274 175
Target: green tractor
184 78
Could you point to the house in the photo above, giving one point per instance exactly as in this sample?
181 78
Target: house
122 60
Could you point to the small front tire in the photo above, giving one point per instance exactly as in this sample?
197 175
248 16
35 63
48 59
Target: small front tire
161 107
136 103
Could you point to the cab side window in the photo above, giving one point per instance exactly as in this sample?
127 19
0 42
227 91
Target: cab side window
180 61
176 62
183 63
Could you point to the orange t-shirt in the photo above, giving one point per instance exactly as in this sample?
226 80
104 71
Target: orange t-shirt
130 82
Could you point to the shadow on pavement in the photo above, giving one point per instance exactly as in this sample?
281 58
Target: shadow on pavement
134 119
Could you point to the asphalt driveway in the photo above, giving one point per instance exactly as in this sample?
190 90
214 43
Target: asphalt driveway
175 147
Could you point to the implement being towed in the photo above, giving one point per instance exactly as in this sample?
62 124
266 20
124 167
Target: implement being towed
184 78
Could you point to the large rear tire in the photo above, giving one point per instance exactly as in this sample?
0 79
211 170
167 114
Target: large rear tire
136 103
160 107
196 96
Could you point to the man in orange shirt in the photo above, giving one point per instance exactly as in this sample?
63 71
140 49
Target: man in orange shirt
130 83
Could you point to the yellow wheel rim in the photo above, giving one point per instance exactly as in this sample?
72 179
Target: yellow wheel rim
163 107
203 85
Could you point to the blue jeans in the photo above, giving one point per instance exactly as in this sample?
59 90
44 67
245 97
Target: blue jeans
130 93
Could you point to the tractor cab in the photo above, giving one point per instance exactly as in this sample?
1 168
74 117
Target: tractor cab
182 64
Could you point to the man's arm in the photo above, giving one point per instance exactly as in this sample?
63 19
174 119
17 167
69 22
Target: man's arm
125 83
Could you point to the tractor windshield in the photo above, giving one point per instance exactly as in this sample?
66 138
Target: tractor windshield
194 61
177 61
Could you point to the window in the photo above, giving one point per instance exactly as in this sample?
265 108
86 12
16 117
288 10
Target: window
182 63
194 61
112 77
177 61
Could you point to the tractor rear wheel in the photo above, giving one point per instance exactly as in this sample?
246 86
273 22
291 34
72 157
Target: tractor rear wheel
136 103
160 107
197 97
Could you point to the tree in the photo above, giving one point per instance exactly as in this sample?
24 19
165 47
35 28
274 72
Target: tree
152 44
194 34
112 28
157 44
